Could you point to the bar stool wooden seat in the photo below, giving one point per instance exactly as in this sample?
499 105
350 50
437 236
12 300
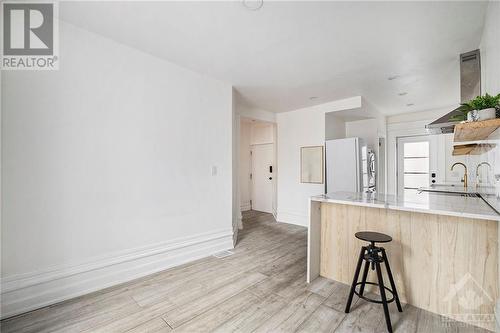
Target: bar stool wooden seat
374 256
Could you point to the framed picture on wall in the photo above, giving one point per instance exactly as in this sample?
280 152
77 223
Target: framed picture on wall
311 164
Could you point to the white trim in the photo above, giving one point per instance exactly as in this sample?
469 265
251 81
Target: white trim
292 218
26 292
237 225
245 206
275 214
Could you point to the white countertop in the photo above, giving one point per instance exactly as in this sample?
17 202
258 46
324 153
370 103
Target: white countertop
425 202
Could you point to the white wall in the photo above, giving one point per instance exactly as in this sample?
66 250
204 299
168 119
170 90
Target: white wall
490 50
432 115
244 109
296 129
334 127
366 129
261 133
107 170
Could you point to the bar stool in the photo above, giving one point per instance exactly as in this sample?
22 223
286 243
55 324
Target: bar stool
374 256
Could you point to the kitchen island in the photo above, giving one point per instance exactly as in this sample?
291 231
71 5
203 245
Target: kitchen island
444 253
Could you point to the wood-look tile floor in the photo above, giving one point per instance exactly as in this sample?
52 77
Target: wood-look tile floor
261 288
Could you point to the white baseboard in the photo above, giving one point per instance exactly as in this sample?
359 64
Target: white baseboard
292 218
26 292
245 206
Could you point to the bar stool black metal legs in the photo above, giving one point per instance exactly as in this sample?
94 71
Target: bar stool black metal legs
374 256
384 299
354 282
363 279
391 279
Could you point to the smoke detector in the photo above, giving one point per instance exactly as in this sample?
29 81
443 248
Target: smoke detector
253 4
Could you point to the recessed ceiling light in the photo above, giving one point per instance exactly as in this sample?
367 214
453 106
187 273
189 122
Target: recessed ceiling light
313 97
393 77
410 104
403 93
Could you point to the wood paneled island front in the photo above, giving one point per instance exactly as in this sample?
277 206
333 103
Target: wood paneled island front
444 253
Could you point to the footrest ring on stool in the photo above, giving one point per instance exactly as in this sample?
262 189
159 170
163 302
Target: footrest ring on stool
370 299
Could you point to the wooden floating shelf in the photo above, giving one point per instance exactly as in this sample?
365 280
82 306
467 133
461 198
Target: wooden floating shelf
472 149
476 130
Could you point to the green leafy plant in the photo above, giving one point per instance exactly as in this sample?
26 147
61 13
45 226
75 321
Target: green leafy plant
479 103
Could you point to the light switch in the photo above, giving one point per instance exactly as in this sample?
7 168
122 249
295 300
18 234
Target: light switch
214 170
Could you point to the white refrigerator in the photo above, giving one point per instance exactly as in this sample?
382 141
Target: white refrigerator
345 165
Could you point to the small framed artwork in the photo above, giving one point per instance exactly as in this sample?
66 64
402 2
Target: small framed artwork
311 164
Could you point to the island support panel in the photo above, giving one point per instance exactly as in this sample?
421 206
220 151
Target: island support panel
443 264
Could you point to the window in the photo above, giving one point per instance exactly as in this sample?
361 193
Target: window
414 164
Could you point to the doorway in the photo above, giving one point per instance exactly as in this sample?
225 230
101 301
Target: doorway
257 166
262 161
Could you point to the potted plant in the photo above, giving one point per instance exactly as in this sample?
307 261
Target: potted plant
479 108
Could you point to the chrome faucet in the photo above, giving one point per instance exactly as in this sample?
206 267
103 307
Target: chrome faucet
479 166
465 174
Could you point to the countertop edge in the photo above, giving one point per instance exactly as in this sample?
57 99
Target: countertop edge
407 209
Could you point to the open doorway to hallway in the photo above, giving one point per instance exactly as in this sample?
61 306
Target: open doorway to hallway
258 170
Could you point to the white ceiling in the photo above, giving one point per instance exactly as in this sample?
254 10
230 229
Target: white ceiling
286 52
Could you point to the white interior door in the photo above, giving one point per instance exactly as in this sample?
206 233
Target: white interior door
262 177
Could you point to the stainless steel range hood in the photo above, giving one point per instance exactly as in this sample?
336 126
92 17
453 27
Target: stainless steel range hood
470 87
